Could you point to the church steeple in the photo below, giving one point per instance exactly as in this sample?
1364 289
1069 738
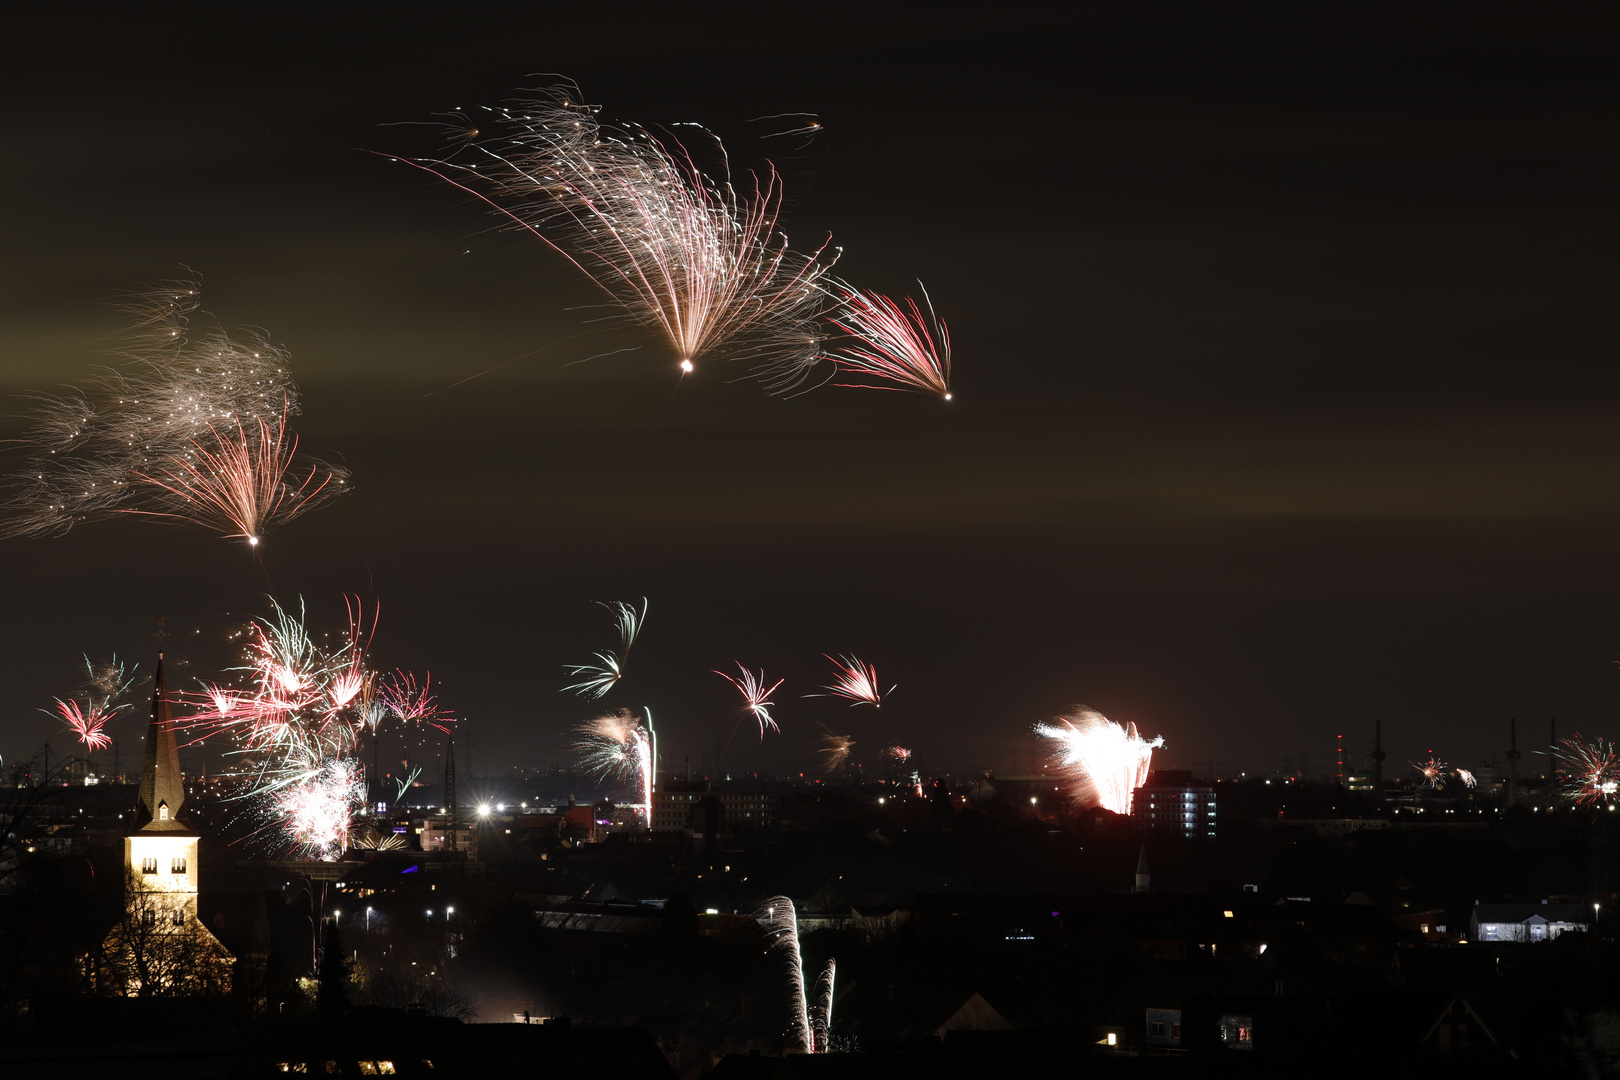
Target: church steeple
163 789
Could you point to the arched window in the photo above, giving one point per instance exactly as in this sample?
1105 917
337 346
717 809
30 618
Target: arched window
163 811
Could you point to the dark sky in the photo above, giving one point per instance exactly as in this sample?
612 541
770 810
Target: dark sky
1286 394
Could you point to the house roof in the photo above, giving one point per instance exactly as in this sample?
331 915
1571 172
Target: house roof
1518 913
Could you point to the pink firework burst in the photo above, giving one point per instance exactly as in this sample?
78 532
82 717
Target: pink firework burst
756 696
413 703
86 724
856 681
891 344
237 481
899 753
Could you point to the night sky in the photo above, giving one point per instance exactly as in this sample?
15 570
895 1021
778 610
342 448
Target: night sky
1285 385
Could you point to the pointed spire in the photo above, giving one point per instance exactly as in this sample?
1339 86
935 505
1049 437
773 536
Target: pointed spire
163 789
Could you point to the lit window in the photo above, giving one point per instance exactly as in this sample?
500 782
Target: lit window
163 812
177 865
149 866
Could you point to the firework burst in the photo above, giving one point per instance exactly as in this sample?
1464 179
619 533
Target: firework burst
855 681
85 724
891 344
295 715
1105 762
756 696
315 809
617 744
837 748
598 678
686 256
1433 771
101 699
237 482
190 430
400 695
1591 771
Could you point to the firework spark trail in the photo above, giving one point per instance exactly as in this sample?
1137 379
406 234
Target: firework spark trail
1591 771
822 1014
1467 778
1105 762
598 678
856 681
781 926
404 784
892 345
616 744
192 430
756 696
836 747
899 753
683 255
809 128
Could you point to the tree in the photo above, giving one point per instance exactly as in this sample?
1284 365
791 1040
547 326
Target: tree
333 994
157 948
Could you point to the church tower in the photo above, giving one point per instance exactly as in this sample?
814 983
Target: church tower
158 945
161 854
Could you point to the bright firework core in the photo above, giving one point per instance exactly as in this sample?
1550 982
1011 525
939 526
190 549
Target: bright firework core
1105 763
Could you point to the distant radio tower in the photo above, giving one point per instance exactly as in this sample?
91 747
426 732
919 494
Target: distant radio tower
450 790
1378 759
1513 761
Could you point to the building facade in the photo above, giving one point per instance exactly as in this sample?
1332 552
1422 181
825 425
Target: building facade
1169 804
